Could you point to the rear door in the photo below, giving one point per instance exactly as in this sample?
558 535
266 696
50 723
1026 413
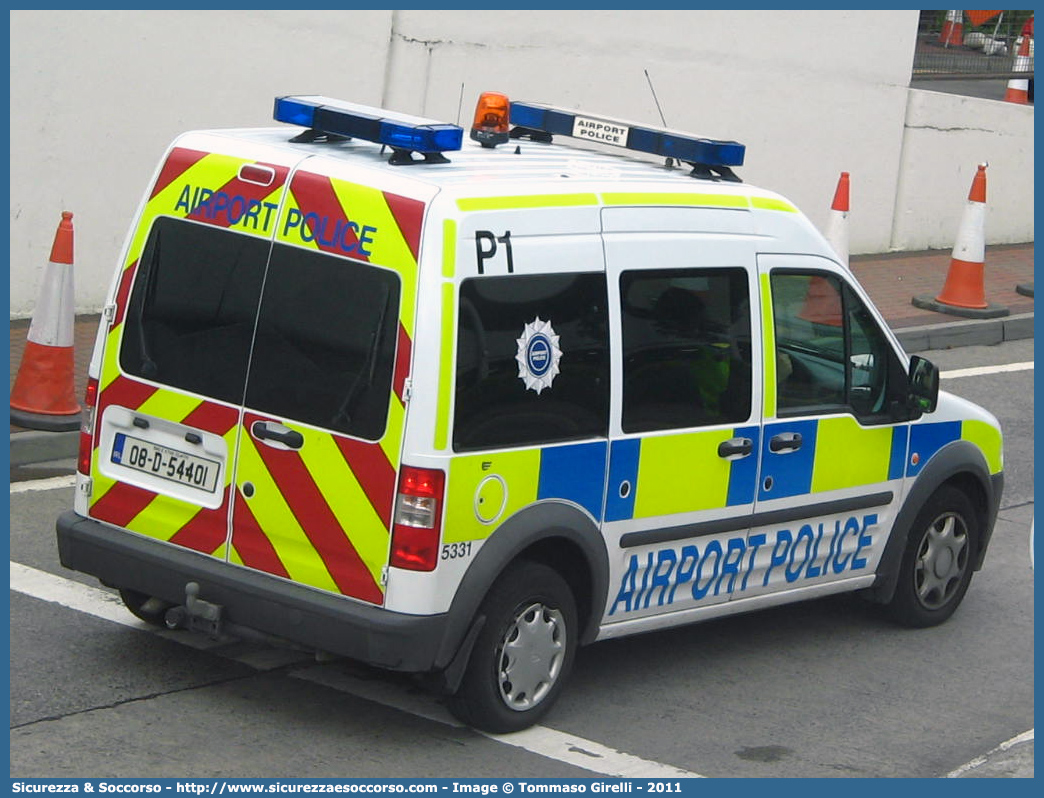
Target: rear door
178 342
325 397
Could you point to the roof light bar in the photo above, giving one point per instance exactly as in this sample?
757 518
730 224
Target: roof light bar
398 131
640 138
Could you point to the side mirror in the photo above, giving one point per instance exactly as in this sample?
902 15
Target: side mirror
922 385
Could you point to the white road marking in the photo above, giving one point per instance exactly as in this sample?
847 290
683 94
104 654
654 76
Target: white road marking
982 371
1025 737
540 740
52 483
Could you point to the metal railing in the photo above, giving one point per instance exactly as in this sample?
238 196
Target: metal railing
985 50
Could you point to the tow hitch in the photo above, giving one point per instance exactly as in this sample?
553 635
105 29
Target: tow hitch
197 614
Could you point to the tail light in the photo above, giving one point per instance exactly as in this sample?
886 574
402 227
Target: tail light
418 519
90 401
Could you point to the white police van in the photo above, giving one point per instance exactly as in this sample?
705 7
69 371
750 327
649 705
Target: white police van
456 408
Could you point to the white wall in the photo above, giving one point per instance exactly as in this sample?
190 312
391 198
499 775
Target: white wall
946 137
96 96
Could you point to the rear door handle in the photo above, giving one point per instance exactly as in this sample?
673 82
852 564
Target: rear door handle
735 448
785 442
270 431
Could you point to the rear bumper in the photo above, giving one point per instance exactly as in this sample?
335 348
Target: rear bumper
251 599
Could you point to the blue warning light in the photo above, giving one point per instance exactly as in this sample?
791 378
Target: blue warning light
398 131
639 138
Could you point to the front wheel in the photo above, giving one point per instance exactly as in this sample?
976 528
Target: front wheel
937 564
523 654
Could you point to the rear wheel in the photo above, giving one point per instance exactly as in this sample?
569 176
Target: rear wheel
147 608
523 654
937 564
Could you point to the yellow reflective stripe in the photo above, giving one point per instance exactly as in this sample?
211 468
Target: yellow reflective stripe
526 201
768 336
292 546
848 455
391 441
449 248
347 500
169 405
100 484
772 204
111 366
482 483
445 404
163 517
676 198
989 440
681 473
290 204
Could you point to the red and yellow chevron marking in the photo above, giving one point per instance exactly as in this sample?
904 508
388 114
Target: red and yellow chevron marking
149 513
325 510
321 515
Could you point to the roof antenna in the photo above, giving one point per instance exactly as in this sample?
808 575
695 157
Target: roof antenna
460 102
670 161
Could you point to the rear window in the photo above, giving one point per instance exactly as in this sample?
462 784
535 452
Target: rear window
325 336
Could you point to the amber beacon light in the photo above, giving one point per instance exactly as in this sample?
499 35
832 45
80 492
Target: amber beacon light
490 127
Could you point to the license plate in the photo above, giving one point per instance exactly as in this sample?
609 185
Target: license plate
169 464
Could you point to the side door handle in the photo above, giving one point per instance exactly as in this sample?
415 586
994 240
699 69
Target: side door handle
270 431
735 448
785 442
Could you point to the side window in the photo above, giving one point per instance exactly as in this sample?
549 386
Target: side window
532 360
190 319
686 348
326 338
831 356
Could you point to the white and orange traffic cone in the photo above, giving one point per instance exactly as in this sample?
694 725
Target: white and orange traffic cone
1018 88
837 228
964 293
43 396
953 29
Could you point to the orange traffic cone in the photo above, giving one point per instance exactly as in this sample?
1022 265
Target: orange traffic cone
837 229
964 293
1018 88
822 301
953 29
43 396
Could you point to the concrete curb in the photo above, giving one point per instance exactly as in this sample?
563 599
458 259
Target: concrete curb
37 446
972 332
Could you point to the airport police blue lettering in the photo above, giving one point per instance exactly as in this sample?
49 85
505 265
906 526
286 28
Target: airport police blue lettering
313 227
209 203
798 556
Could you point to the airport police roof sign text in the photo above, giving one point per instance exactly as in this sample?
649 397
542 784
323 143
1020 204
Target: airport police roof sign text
603 132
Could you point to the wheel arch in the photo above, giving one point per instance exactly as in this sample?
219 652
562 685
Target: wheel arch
962 465
556 533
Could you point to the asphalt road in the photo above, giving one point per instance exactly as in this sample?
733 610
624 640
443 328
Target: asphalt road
822 689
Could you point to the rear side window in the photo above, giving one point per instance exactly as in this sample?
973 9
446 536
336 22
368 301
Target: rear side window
191 315
686 348
532 360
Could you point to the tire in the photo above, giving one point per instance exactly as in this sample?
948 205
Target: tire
146 608
937 563
529 610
